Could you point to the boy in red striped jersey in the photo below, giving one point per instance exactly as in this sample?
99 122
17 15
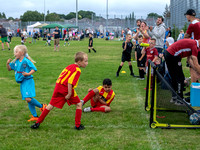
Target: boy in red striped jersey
100 97
64 91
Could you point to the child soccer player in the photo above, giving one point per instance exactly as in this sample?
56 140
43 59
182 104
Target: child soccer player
24 68
126 54
100 98
140 61
66 39
91 44
64 91
151 53
48 40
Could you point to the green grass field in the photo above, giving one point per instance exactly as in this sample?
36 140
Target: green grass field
125 127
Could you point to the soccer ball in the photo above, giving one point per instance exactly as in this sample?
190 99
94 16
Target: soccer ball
195 119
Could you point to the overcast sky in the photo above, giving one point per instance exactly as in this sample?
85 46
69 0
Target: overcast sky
15 8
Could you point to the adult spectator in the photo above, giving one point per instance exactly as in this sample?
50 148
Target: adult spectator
193 32
138 22
64 33
173 55
4 37
170 32
158 32
129 31
56 38
142 31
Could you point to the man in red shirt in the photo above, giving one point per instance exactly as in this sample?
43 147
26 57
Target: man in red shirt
64 91
193 32
173 55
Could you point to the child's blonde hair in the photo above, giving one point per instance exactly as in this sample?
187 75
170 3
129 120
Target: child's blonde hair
23 49
79 56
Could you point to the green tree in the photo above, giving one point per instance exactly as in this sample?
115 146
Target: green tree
87 14
175 32
32 16
70 15
11 18
3 15
166 13
153 15
185 27
52 17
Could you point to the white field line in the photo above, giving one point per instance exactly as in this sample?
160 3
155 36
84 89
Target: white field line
151 135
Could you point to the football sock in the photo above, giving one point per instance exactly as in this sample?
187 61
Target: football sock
43 115
89 50
102 109
78 117
140 73
88 96
35 103
120 67
94 50
32 109
131 69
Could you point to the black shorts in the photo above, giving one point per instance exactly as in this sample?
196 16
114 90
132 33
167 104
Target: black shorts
126 57
141 63
90 45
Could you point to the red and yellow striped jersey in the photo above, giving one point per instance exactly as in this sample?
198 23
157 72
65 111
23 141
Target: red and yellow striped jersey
70 75
108 96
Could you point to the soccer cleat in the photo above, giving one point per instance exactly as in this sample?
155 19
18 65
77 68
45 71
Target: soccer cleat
8 48
33 119
35 126
81 127
82 101
43 107
87 109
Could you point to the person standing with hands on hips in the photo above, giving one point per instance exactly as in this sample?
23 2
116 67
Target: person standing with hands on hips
56 38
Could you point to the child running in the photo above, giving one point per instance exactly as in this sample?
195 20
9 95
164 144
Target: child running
90 46
64 91
126 54
24 68
100 98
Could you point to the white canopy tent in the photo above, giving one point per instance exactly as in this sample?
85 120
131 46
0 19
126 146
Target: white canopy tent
31 27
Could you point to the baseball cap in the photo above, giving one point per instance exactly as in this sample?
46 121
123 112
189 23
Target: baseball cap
190 12
170 40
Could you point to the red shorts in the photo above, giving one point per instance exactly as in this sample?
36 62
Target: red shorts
58 99
96 104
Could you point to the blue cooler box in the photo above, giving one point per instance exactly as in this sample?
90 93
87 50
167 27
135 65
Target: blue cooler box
195 94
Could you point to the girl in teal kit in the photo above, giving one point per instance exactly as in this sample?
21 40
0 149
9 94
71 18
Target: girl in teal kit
24 68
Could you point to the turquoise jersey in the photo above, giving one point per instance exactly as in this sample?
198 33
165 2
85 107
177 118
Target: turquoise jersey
19 67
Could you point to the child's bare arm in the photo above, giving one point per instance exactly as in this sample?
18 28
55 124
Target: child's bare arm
102 102
156 58
135 55
28 74
141 56
7 64
69 91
